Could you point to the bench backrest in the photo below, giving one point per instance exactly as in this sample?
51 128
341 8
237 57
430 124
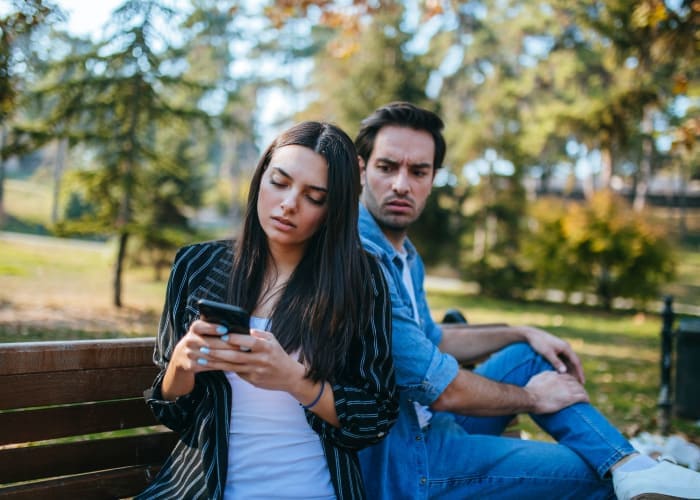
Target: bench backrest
53 394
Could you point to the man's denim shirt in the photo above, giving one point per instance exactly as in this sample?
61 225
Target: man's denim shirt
397 466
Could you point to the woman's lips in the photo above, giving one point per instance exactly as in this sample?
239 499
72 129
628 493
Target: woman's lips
282 223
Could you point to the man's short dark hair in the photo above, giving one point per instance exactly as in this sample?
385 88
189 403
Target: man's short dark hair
401 114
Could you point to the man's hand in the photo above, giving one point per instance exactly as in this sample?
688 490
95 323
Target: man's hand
552 391
555 350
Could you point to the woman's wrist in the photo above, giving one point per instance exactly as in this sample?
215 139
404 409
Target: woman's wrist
176 383
316 399
307 392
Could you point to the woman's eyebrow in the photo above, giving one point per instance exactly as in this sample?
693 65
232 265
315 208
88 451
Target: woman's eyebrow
310 186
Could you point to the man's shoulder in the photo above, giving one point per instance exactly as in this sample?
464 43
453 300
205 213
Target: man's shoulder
372 247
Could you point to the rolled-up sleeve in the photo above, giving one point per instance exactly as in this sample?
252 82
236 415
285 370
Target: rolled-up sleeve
422 370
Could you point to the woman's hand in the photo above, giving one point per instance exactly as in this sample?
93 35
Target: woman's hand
260 360
191 355
265 365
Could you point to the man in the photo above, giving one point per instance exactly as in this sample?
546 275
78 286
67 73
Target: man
447 442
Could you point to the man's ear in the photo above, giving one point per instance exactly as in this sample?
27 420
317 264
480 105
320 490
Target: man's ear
363 169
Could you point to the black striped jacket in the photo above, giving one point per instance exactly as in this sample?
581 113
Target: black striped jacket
365 396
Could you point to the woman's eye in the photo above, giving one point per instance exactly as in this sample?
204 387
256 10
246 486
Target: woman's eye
276 183
316 201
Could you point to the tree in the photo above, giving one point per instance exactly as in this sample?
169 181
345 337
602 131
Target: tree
641 50
16 28
126 99
377 68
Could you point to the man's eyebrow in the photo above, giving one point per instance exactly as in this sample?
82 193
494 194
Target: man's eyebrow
310 186
391 161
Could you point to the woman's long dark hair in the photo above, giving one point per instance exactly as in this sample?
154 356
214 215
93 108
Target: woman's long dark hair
326 300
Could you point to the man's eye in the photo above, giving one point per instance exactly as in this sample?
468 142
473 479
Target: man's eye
420 173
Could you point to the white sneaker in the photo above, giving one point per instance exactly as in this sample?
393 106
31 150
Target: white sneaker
664 480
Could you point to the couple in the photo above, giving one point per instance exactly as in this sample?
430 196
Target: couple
343 349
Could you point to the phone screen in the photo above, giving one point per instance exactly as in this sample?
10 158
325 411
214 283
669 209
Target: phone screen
234 318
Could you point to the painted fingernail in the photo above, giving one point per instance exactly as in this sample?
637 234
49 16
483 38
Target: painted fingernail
221 329
204 349
224 338
202 361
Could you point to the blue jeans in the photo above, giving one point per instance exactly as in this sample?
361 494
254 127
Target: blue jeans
469 459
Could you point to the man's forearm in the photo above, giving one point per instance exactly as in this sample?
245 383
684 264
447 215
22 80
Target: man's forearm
472 394
468 343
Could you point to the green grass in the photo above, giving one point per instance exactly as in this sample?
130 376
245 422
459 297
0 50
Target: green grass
620 352
686 286
29 202
52 289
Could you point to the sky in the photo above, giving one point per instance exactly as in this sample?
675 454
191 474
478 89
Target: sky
88 17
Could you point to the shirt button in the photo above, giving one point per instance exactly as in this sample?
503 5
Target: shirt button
418 438
423 480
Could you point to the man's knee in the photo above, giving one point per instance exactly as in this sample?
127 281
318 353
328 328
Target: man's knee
523 352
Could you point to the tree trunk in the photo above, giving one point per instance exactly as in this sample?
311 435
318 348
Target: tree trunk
606 166
57 177
3 137
119 267
682 202
642 187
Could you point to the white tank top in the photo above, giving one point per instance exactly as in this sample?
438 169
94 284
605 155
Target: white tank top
273 452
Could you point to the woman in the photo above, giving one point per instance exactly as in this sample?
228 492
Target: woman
281 412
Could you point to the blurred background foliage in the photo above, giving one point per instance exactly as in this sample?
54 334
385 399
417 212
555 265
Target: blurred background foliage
572 127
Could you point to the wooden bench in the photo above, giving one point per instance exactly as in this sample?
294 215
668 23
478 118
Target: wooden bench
73 422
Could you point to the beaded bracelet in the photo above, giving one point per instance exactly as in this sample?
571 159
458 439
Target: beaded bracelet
318 398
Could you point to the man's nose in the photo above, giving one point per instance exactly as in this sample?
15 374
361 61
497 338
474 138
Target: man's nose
401 185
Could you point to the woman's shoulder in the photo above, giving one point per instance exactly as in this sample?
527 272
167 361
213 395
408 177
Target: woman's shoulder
197 254
375 272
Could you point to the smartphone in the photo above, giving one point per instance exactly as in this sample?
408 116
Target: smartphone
236 319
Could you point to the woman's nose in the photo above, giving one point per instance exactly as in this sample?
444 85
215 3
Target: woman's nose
288 204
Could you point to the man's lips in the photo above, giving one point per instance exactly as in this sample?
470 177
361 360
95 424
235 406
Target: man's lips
399 206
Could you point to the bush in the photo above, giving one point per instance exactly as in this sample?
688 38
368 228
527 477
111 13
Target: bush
600 246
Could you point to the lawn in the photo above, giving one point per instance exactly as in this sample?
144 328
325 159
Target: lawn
619 350
53 289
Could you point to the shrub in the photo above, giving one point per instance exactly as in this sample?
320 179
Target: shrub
599 246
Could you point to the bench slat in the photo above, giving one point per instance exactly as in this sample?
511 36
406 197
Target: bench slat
42 389
55 422
119 483
31 357
69 389
31 462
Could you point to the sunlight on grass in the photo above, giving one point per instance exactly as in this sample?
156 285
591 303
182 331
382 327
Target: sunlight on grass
56 271
30 199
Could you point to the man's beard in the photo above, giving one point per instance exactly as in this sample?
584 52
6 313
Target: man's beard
393 226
